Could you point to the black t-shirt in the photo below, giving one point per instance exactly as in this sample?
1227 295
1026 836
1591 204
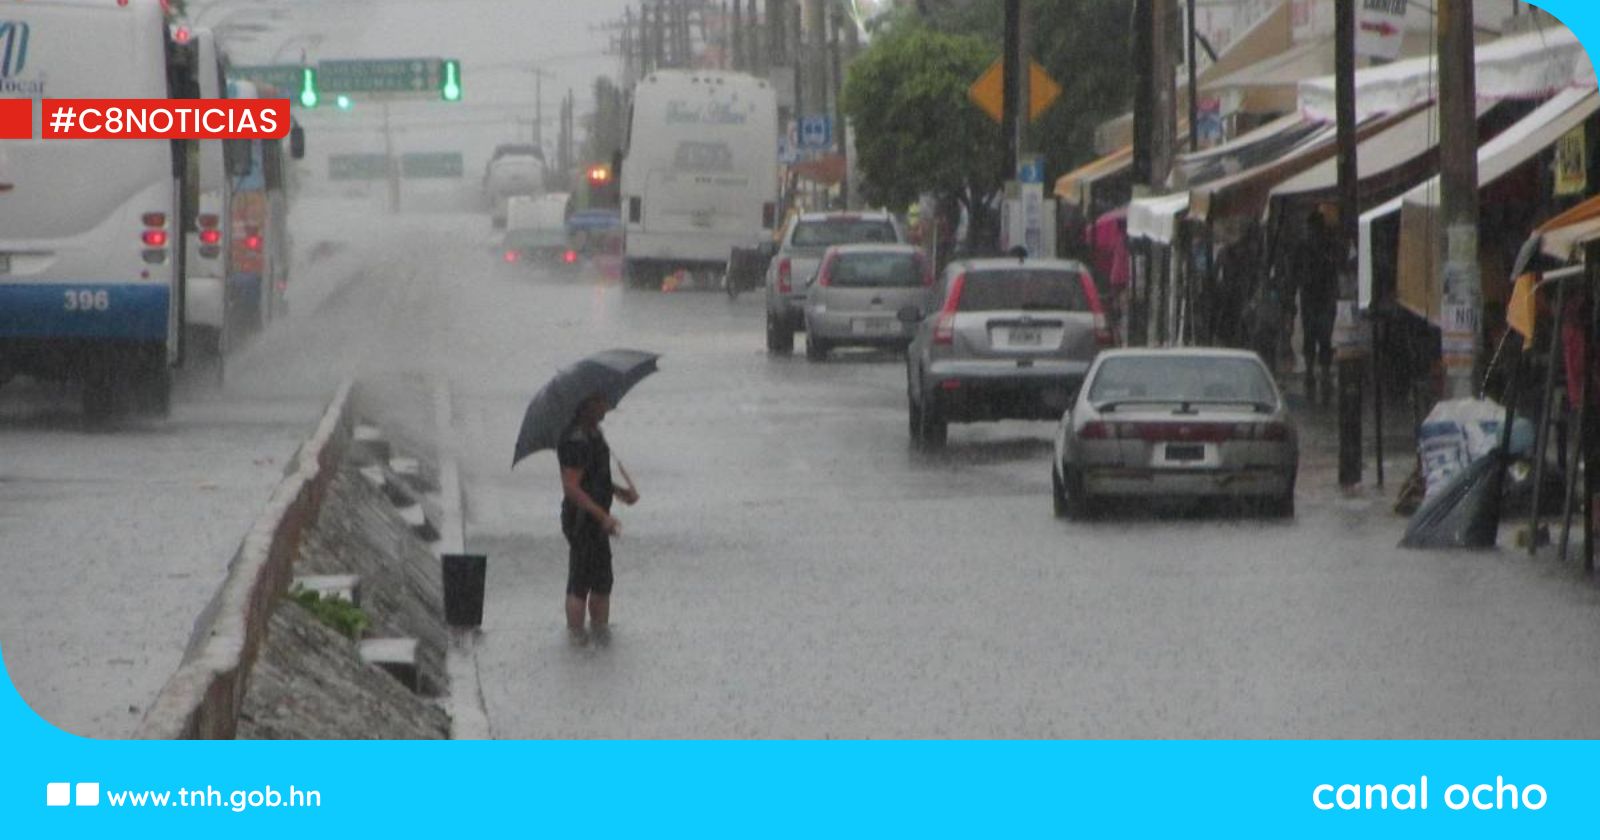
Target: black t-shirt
583 450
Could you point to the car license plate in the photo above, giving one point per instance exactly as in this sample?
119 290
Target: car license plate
872 326
1025 337
1186 452
5 263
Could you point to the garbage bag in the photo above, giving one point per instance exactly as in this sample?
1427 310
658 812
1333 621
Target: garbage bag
1457 433
1465 512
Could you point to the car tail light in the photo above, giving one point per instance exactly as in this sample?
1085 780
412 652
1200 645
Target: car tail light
154 238
569 256
511 256
1103 336
944 329
785 273
1096 430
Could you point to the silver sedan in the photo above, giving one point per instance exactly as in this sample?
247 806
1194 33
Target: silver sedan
1183 422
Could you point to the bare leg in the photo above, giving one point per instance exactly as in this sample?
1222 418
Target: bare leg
574 613
599 610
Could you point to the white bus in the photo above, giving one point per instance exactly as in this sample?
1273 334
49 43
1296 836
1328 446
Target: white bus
700 174
92 232
206 263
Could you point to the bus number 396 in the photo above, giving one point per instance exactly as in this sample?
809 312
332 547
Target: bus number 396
85 300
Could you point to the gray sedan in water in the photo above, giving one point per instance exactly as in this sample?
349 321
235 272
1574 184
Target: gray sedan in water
1182 422
857 293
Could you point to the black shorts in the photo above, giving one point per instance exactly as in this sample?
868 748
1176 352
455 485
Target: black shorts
588 561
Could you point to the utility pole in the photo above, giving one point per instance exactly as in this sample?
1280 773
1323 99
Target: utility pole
753 42
1462 306
1194 85
1352 367
1010 98
796 61
735 33
538 109
836 76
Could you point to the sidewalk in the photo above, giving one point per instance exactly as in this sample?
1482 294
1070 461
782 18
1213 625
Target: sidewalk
1319 451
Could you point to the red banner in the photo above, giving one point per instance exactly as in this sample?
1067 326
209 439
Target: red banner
16 119
165 119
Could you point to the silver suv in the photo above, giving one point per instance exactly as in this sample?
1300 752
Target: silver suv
1011 340
805 240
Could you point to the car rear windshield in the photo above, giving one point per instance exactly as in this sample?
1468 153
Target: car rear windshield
862 271
1181 379
826 232
1023 288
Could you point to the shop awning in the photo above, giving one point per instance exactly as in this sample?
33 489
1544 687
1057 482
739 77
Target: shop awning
1248 150
1271 35
1156 218
1564 236
1421 243
1073 187
1272 85
1407 148
1528 66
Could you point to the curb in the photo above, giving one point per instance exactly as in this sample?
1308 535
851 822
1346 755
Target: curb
203 697
469 717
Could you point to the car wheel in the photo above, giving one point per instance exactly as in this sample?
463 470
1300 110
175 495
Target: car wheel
1281 507
1071 501
935 430
816 348
780 339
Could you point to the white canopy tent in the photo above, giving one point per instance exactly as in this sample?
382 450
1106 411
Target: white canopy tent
1510 149
1527 66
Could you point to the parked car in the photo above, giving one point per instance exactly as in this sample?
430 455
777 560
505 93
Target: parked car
1011 340
1181 422
799 255
857 293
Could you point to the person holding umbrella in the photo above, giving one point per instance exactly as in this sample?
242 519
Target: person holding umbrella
565 416
586 520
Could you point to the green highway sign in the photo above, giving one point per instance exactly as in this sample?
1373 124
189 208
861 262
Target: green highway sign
432 165
357 167
380 75
285 77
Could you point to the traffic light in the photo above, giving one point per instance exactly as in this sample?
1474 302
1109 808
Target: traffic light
343 101
308 87
450 80
599 175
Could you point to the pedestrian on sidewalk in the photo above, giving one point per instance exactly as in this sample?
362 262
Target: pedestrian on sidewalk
1317 270
586 520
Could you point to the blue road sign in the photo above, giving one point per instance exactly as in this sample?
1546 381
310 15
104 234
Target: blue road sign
1031 171
816 132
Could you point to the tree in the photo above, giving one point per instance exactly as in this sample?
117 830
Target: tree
1086 45
916 132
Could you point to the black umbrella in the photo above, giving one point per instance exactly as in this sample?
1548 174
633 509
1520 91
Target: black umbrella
611 373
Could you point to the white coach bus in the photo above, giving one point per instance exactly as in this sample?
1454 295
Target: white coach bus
93 232
700 174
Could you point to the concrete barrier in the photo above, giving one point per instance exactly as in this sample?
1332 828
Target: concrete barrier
203 698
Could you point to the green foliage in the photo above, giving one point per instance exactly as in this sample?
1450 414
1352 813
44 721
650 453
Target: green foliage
609 122
343 616
916 131
1085 45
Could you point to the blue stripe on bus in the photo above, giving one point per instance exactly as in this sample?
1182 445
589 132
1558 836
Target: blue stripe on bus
85 310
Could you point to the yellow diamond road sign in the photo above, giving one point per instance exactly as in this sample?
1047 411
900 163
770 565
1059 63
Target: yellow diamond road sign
988 92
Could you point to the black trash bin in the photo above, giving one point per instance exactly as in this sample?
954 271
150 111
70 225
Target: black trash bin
463 589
